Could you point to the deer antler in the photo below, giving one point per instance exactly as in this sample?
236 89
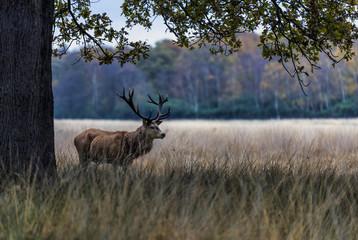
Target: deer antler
129 101
162 100
160 103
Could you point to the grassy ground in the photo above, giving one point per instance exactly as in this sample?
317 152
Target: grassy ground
292 179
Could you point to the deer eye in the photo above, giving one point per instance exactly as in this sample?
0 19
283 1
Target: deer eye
152 127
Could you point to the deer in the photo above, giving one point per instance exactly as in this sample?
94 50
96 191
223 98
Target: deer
122 147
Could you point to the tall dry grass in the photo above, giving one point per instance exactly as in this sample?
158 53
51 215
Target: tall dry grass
292 179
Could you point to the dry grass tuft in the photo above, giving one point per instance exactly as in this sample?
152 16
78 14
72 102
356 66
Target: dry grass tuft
292 179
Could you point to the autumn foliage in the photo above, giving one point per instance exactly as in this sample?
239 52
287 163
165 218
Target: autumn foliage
201 85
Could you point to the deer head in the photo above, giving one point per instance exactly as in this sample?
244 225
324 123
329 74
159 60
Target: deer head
149 125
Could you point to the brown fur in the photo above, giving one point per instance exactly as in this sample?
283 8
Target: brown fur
120 147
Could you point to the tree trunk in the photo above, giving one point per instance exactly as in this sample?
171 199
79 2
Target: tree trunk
341 83
328 89
26 100
276 96
320 97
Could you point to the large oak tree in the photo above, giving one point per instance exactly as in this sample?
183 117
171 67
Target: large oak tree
33 30
26 101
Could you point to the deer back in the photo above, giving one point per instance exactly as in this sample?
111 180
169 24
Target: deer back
83 141
119 147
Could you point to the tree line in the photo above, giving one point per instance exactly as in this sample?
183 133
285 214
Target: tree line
51 27
201 85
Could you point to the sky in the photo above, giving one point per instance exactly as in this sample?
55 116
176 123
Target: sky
113 10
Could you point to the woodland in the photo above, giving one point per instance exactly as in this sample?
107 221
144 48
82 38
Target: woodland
272 179
233 87
200 85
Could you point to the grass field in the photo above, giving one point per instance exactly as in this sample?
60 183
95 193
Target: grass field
288 179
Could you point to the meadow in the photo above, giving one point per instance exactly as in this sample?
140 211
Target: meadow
274 179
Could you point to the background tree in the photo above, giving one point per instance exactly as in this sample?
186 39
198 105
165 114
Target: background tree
193 89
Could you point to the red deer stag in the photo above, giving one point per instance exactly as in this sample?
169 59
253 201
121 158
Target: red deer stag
122 147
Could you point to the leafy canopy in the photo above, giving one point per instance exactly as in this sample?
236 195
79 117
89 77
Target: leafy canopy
74 22
294 32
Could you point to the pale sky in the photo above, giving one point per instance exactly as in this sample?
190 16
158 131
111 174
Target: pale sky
113 10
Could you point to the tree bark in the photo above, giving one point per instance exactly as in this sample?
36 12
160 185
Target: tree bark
342 85
26 100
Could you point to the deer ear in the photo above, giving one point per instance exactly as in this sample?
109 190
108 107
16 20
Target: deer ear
145 123
158 122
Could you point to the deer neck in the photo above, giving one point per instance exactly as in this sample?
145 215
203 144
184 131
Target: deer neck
143 139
